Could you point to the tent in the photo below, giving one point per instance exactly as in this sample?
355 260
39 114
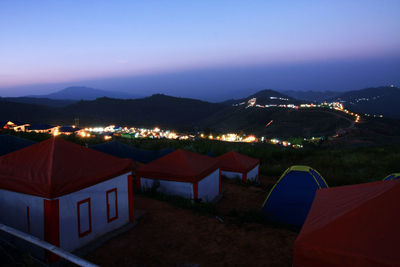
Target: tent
393 176
63 193
182 173
354 225
235 165
10 143
122 150
290 199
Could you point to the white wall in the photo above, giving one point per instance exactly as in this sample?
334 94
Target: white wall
252 175
13 213
232 175
69 237
208 188
183 189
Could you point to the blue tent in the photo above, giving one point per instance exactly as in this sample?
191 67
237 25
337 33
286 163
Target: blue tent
10 143
289 201
122 150
393 176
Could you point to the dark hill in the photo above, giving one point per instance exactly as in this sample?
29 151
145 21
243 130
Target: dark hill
379 100
265 97
32 113
160 110
85 93
40 101
312 96
286 122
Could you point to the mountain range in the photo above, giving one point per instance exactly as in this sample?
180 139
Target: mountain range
196 115
373 101
84 93
313 96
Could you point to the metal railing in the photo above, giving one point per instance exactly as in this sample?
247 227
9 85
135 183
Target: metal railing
45 245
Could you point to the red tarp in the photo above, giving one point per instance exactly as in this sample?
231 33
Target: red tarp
180 165
56 167
235 162
354 225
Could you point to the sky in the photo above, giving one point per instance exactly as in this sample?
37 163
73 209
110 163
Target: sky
206 49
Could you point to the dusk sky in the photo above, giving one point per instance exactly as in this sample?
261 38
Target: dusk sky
206 49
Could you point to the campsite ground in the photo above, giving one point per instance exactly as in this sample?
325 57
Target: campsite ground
172 236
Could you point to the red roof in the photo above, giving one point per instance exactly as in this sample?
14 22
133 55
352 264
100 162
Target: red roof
56 167
352 226
180 165
236 162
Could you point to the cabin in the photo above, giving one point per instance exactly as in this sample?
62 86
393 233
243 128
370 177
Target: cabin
182 173
234 165
64 193
42 128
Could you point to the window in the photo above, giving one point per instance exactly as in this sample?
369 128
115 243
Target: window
112 205
84 217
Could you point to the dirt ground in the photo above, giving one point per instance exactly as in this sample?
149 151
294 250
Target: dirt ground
171 236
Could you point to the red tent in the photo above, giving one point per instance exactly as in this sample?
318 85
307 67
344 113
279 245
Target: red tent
180 165
353 225
238 163
56 167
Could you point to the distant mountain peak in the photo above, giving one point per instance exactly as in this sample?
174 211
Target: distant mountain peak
85 93
266 96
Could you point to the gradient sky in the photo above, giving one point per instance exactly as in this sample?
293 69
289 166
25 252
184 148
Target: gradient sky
206 49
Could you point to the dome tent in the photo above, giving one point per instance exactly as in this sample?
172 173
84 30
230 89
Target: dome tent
393 176
289 201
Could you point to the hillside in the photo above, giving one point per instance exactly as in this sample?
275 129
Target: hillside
286 122
85 93
312 96
32 113
375 101
190 115
264 97
160 110
40 101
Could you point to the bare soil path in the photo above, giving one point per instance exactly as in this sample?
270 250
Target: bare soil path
170 236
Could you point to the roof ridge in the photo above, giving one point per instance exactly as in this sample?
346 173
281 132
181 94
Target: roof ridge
52 162
239 162
188 163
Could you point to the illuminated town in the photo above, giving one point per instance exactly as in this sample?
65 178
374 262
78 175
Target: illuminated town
110 131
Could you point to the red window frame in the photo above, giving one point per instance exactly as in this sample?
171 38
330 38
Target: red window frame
28 219
109 219
79 203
